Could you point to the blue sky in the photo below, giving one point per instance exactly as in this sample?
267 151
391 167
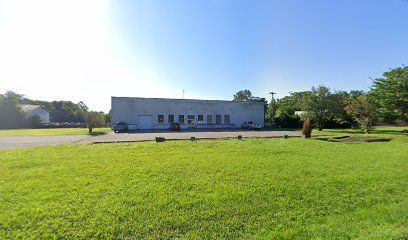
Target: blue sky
91 50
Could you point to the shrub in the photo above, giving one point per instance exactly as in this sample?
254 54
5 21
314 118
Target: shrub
287 121
307 128
160 139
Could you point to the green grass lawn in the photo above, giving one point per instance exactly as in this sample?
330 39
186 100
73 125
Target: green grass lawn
256 188
53 131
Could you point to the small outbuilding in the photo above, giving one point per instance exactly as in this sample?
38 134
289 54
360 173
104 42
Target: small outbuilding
160 113
32 110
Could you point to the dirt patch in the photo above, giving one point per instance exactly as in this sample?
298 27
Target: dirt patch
353 139
360 139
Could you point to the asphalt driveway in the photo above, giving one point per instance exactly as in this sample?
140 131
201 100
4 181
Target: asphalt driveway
12 142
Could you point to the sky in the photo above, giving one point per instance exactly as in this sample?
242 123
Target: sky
90 50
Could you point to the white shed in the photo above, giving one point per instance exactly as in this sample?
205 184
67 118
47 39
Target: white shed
32 110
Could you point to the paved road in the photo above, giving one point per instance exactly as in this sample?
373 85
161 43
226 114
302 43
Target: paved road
12 142
149 136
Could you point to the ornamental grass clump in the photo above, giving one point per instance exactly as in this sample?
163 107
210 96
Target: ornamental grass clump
160 139
307 128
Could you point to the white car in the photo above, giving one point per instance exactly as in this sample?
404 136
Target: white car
254 126
251 125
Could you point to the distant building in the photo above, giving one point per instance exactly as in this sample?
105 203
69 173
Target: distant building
32 110
299 113
159 113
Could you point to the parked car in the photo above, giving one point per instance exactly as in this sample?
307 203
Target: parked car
254 126
250 125
120 127
246 124
175 127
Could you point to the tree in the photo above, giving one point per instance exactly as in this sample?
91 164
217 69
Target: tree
321 105
361 110
243 95
95 119
11 116
34 121
284 111
61 111
108 117
390 95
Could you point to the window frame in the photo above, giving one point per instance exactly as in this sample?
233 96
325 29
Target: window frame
209 117
170 120
160 117
181 116
227 116
198 118
216 119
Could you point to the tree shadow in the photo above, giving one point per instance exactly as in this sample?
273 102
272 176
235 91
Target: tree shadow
373 131
97 133
392 132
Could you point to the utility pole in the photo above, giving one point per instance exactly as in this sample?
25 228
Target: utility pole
183 93
272 100
272 105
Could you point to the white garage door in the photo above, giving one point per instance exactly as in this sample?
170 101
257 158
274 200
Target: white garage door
146 122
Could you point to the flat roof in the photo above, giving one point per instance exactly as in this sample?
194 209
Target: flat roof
181 99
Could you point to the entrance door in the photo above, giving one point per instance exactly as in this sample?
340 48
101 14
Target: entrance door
146 122
191 120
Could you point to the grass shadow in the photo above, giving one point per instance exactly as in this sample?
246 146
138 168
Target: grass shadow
400 132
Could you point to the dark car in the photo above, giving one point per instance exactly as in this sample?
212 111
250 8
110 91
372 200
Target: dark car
175 127
120 127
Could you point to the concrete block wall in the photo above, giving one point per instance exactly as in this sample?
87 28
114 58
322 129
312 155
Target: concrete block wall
129 109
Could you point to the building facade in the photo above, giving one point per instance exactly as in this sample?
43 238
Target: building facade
159 113
35 110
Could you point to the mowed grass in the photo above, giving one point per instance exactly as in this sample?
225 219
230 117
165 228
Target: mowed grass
251 189
53 131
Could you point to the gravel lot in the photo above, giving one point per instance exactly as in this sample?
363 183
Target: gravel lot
12 142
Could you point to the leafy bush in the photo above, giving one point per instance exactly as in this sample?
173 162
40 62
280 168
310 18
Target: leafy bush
307 128
287 121
95 119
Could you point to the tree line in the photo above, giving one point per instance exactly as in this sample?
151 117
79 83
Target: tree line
60 112
386 101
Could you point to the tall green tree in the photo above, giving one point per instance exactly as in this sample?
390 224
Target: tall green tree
284 111
390 95
362 110
321 105
243 95
11 116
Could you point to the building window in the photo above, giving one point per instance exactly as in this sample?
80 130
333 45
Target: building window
160 118
209 118
218 119
171 118
227 119
181 118
200 119
190 119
